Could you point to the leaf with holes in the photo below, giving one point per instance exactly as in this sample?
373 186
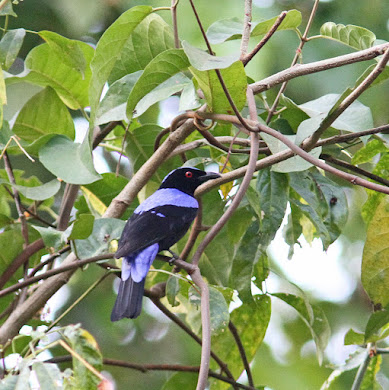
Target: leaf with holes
375 260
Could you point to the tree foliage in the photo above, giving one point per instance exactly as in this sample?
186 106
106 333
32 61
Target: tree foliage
291 166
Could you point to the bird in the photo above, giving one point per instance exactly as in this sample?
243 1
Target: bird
156 224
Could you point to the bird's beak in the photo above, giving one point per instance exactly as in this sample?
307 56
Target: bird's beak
208 176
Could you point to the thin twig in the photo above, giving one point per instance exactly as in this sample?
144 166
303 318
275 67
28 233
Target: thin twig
21 259
49 260
242 189
362 370
218 73
351 136
332 116
16 196
205 331
295 149
197 228
242 352
55 271
188 331
70 196
174 22
247 58
353 168
244 43
155 367
294 61
81 359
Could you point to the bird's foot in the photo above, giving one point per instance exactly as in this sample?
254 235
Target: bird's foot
175 256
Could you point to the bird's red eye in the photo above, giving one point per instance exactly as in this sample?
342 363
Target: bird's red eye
188 174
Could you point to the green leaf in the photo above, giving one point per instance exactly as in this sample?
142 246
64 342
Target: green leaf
225 30
44 114
370 378
189 99
236 82
52 238
107 188
358 38
82 227
378 320
229 29
218 308
172 289
68 161
324 203
140 146
367 152
68 50
293 164
375 259
108 51
313 317
10 46
245 258
48 69
163 91
83 343
251 321
42 192
291 22
104 230
201 60
355 360
9 252
18 382
273 189
356 117
354 338
160 69
7 10
113 106
151 37
293 229
48 375
181 380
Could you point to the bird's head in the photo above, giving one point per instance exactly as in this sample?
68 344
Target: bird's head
187 179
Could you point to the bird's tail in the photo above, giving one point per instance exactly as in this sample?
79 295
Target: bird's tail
129 300
134 270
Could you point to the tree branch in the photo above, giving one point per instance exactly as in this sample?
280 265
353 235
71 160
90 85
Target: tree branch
38 299
205 331
188 331
244 43
242 189
294 61
155 367
55 271
318 66
242 352
362 370
248 57
350 167
333 115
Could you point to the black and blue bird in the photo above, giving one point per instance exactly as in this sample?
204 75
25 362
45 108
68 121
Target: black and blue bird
156 224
